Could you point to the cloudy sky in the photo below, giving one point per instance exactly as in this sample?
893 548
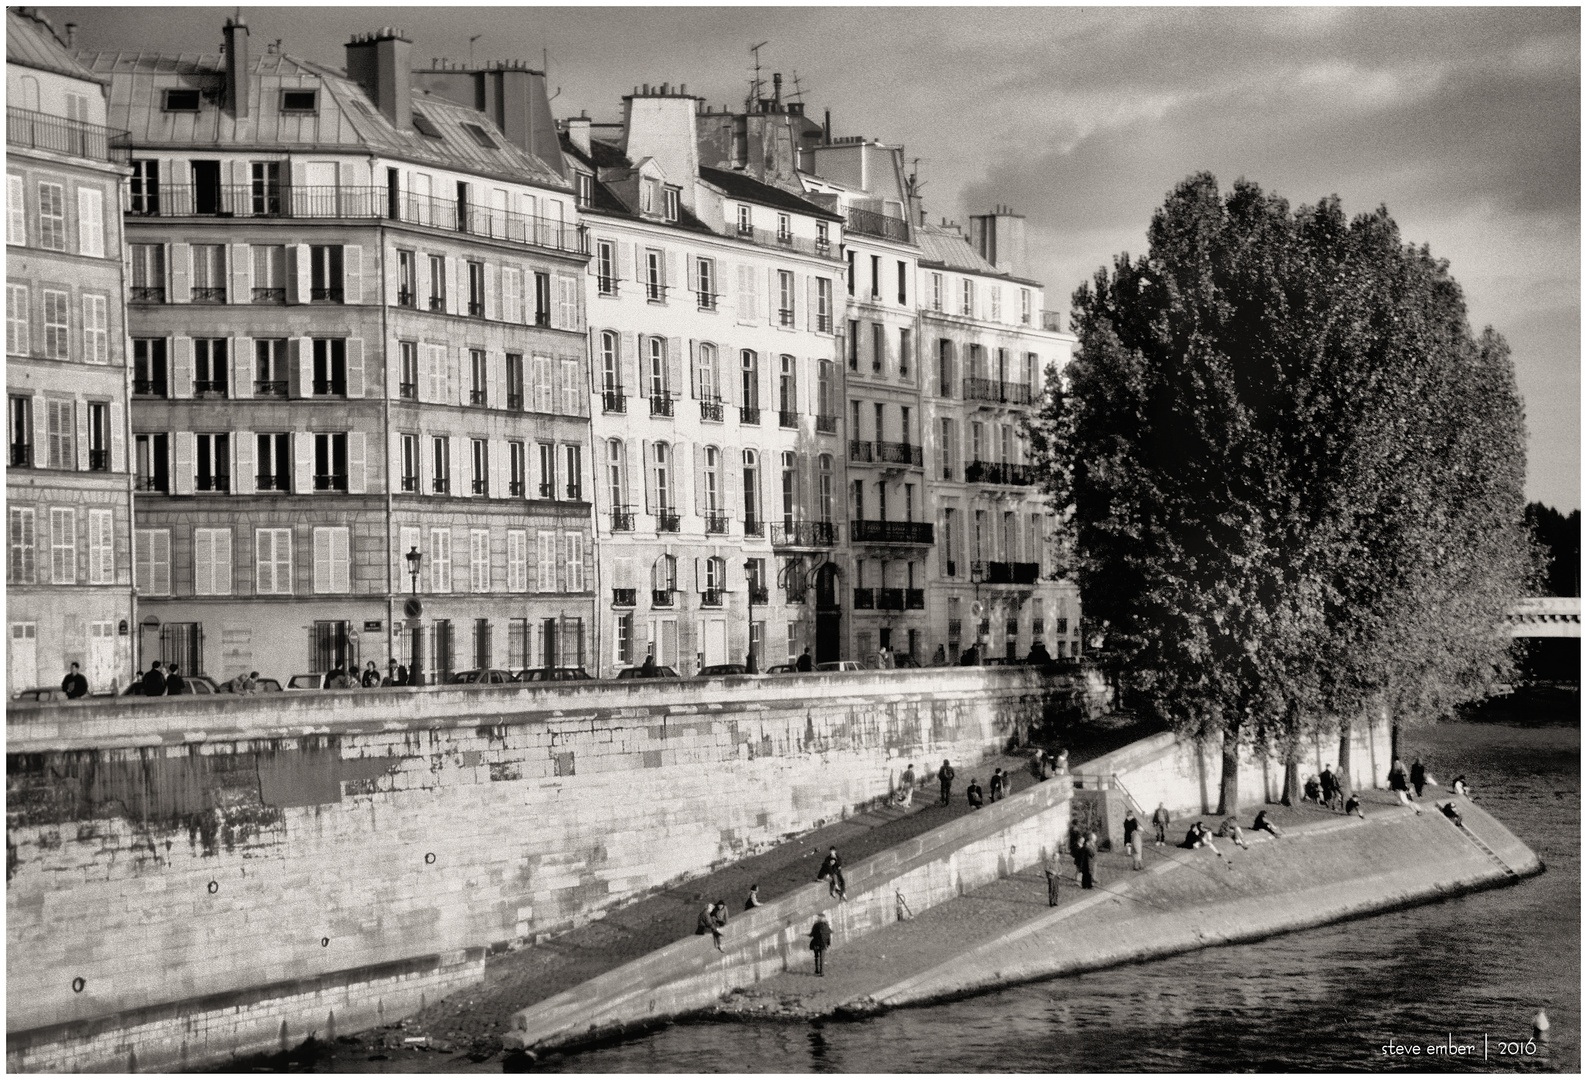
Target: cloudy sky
1464 122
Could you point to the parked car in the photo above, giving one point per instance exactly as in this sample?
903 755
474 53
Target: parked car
783 669
638 673
192 684
42 693
483 676
267 686
317 680
552 674
841 665
722 669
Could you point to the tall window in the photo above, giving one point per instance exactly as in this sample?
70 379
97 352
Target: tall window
96 330
22 529
906 346
440 465
56 325
145 186
853 340
515 381
790 486
20 419
936 292
408 386
606 268
476 289
479 466
148 273
479 560
269 274
212 462
441 560
787 393
479 377
967 297
63 545
876 277
611 370
1024 306
330 367
52 217
325 273
270 367
903 282
62 429
705 371
91 222
209 273
713 481
655 283
663 477
749 379
615 478
408 278
573 470
824 480
212 562
878 347
752 514
824 405
824 305
330 461
437 298
945 447
210 367
785 298
410 463
515 469
705 283
265 187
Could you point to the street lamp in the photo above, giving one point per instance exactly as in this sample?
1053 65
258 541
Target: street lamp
414 610
749 593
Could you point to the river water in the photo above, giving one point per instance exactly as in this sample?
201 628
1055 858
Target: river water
1459 972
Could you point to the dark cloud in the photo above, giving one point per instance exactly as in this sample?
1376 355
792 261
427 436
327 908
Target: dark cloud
1465 121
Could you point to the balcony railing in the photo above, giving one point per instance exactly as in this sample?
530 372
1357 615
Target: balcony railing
711 598
622 519
816 534
148 387
914 599
753 527
613 401
900 454
1007 393
410 483
860 450
661 597
209 388
787 419
330 481
1006 573
870 223
145 482
711 410
209 294
269 295
216 482
748 415
271 482
476 397
1052 320
999 472
515 401
98 460
715 523
39 131
148 294
667 521
864 599
327 295
270 388
706 300
441 485
826 425
406 297
625 597
480 485
890 599
661 404
769 238
352 202
330 388
21 454
890 532
515 489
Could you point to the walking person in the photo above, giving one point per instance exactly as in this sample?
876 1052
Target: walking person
832 873
1401 786
906 786
996 784
154 681
75 685
1132 837
1160 820
1077 841
820 940
1418 776
945 778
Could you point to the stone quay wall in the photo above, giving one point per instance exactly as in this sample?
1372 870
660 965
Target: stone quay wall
196 878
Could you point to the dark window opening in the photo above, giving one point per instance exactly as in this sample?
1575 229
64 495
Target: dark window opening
299 101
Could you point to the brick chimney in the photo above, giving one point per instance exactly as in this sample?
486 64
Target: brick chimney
658 122
579 133
380 62
237 66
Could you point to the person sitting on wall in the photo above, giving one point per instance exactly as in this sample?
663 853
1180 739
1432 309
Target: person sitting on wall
1452 814
753 900
973 794
832 873
371 677
75 685
647 670
1262 824
711 921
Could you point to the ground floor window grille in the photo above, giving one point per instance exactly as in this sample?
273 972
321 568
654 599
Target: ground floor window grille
329 647
482 643
518 644
442 665
182 644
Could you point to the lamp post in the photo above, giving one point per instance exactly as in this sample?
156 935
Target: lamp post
414 610
749 595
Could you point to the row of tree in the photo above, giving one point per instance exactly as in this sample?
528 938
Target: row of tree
1289 475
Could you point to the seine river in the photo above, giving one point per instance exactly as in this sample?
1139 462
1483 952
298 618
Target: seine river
1329 999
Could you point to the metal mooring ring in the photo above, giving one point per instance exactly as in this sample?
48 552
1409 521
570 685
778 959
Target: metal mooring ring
214 887
429 857
78 984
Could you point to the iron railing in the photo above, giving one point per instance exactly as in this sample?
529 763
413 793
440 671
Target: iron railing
661 404
999 472
21 454
1007 393
711 598
759 595
711 409
667 521
39 131
870 223
623 519
752 527
826 425
787 418
914 599
891 532
98 460
613 401
748 415
1006 573
864 599
213 482
148 387
900 454
715 522
330 481
271 482
625 597
270 294
890 599
804 534
270 388
661 597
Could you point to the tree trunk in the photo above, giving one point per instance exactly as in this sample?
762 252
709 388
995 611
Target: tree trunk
1229 786
1345 786
1292 787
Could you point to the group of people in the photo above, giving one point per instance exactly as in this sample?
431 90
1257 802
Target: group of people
161 680
370 678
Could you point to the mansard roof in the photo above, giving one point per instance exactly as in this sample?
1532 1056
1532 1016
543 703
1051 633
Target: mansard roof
31 42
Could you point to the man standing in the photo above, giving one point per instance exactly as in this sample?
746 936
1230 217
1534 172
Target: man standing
820 940
74 684
945 778
906 786
1049 866
1160 820
154 681
1418 772
805 663
1330 785
1088 861
174 684
997 784
973 794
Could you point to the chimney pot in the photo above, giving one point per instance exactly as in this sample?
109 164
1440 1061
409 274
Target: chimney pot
71 34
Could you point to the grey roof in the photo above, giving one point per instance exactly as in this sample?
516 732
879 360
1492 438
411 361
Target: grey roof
31 42
344 119
949 248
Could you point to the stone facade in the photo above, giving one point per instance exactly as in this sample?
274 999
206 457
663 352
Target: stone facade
69 505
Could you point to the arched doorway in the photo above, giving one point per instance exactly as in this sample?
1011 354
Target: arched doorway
829 615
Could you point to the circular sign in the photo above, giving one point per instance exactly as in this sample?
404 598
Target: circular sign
413 607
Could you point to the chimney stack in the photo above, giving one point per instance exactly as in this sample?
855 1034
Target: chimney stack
236 66
579 133
71 35
381 63
776 90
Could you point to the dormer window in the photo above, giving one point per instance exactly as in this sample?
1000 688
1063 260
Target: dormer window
300 101
669 204
586 185
181 101
477 133
744 226
422 125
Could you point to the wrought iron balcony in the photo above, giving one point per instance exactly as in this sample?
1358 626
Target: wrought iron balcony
667 521
864 599
999 472
711 410
1006 573
787 418
271 482
410 483
897 453
269 294
625 597
748 414
613 401
145 482
815 534
21 454
330 481
793 596
278 388
706 300
515 488
480 485
209 388
214 482
606 284
715 522
890 599
32 130
99 460
711 598
661 404
515 401
148 387
860 450
209 294
914 599
661 597
327 295
870 223
753 527
476 397
148 294
441 485
890 532
405 298
622 519
1005 393
330 388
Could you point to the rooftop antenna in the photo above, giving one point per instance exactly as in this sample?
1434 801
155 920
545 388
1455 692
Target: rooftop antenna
755 83
471 41
798 94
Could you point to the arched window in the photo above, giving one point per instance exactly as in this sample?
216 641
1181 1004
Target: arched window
715 574
616 478
753 522
611 371
824 467
664 574
713 481
705 372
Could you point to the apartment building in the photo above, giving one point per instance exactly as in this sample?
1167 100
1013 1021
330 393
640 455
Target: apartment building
990 348
68 494
712 311
360 380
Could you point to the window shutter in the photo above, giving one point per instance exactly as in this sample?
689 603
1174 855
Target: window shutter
495 366
118 438
297 282
322 560
421 282
182 471
220 566
181 273
356 466
457 290
680 484
352 274
264 561
355 367
625 261
203 562
461 466
699 479
675 366
628 363
82 436
182 367
629 480
241 274
41 428
737 580
575 571
394 464
625 573
242 475
91 222
647 462
302 363
773 296
302 462
241 385
803 490
699 574
497 475
732 465
810 301
546 577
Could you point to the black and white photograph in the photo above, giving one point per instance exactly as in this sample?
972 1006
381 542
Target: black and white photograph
785 540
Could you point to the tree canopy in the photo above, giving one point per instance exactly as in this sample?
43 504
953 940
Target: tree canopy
1289 474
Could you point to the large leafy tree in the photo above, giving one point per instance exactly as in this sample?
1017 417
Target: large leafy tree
1289 476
